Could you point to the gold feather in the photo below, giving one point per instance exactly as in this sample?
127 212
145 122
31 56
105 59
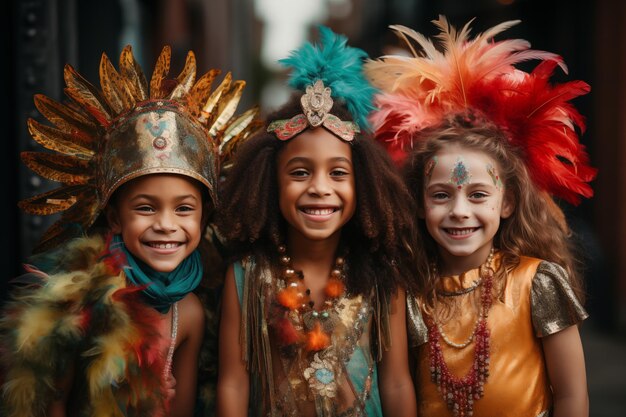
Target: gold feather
207 110
60 168
200 91
235 128
227 107
186 78
86 95
53 201
114 87
161 69
66 118
84 212
75 221
230 148
56 140
131 71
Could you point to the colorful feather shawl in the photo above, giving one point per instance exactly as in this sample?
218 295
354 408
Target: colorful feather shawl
82 315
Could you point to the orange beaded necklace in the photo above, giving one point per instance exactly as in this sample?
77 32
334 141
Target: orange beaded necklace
297 322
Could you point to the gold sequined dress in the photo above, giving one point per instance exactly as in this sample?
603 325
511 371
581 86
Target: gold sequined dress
536 301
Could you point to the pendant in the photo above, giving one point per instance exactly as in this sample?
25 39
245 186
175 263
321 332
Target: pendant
321 377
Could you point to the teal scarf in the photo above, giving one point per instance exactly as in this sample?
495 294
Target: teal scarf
162 289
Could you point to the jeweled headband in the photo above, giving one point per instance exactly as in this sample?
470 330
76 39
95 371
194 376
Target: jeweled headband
330 70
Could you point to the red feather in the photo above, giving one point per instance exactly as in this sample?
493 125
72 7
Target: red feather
113 258
539 119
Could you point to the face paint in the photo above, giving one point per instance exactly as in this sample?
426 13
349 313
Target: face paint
459 175
430 165
495 177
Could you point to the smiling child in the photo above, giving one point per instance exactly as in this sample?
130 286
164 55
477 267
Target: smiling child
485 146
110 324
313 317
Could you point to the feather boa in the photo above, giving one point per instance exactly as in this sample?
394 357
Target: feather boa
339 66
479 75
84 312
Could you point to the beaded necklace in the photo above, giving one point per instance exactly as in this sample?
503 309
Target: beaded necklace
296 299
460 393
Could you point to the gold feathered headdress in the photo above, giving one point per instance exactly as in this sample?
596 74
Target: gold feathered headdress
127 128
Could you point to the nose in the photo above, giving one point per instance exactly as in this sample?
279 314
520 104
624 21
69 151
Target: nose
165 222
319 185
460 208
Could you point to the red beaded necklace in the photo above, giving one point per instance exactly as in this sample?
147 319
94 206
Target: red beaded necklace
460 393
313 327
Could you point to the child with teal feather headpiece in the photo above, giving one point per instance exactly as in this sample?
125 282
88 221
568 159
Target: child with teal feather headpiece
321 234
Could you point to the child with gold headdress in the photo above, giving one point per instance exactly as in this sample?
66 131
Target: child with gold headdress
109 324
313 317
485 147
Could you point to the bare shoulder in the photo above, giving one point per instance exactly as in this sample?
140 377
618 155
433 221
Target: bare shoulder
190 315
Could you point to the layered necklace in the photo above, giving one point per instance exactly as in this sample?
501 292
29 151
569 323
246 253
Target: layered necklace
316 324
460 393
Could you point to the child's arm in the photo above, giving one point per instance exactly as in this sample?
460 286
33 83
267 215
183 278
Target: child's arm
566 368
396 387
233 383
185 362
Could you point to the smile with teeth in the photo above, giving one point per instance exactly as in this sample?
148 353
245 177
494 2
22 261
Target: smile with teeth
460 231
160 245
318 211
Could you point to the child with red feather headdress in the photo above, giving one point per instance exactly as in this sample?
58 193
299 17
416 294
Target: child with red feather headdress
485 147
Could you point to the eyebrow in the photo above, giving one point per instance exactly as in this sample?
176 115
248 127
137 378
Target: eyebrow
297 159
153 197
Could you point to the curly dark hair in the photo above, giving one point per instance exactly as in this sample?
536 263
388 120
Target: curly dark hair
379 236
537 227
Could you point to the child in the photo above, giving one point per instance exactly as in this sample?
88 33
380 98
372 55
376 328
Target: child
113 328
494 323
321 230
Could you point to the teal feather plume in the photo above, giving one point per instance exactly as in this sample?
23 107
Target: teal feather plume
339 66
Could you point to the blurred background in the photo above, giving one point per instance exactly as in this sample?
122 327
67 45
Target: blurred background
247 37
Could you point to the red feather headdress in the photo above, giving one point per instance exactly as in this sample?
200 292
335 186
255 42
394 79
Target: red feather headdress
478 75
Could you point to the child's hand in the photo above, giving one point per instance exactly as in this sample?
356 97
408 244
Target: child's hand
170 387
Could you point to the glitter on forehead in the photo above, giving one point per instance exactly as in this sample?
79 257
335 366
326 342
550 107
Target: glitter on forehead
459 175
495 177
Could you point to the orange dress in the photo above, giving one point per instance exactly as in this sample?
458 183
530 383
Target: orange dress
536 301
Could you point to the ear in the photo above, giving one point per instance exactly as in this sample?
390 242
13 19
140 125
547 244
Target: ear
113 219
508 205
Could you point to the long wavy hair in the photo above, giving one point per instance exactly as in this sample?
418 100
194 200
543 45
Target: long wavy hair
379 237
537 227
